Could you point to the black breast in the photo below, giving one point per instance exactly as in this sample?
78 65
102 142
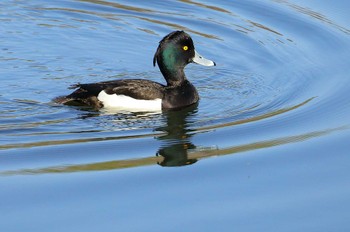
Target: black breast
180 96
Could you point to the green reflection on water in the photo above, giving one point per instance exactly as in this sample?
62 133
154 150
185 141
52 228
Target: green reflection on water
152 160
177 149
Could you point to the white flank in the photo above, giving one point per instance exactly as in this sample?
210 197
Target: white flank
122 102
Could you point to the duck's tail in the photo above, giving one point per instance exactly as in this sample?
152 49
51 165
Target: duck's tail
62 100
68 98
72 101
79 97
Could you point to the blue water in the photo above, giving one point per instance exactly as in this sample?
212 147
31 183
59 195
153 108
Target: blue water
266 149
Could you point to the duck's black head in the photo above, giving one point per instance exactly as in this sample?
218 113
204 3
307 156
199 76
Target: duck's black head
174 52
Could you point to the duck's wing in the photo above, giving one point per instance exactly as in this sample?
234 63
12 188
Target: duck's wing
135 88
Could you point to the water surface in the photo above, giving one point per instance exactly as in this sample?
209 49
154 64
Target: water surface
266 148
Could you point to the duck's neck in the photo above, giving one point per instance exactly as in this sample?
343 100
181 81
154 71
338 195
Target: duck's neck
173 76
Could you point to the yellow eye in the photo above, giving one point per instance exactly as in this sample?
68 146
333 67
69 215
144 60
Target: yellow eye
185 48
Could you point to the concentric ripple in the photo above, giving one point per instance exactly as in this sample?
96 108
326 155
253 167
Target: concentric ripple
269 72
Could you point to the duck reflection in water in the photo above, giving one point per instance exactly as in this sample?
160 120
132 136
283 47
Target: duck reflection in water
177 141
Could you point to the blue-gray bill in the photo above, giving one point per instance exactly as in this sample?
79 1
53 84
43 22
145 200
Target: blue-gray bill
198 59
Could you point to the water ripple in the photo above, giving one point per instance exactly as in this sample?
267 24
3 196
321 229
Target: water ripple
266 69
